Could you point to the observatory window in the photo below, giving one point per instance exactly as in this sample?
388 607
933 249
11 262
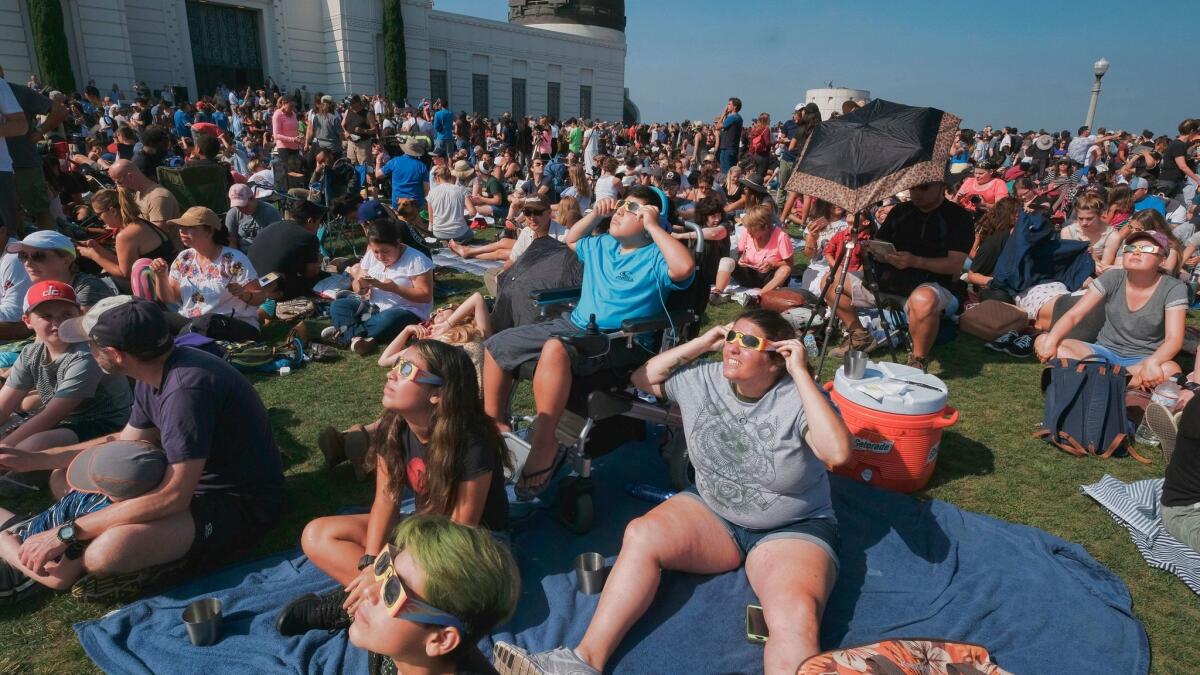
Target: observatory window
438 88
479 94
553 90
518 97
585 101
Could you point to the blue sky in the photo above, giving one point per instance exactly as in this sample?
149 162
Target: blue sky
1027 64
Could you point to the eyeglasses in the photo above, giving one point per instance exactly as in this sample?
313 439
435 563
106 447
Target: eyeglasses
1149 249
398 600
533 213
407 370
632 207
36 256
746 340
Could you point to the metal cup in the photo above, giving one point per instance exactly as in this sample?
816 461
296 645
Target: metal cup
203 621
855 364
590 573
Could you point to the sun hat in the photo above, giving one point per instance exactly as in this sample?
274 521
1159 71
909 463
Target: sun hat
197 216
49 291
414 147
118 469
1044 142
121 322
462 169
44 240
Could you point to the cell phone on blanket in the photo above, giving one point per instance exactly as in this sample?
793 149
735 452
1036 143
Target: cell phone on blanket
268 279
879 249
756 625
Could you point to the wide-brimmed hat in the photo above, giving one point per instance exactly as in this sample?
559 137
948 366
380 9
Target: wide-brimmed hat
414 147
462 169
118 469
1044 142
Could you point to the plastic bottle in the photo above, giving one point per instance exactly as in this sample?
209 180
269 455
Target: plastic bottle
649 493
810 345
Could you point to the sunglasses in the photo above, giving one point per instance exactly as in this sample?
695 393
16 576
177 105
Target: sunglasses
1149 249
398 600
407 370
632 207
533 213
36 256
746 340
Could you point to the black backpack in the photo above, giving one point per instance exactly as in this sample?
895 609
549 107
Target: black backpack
1085 408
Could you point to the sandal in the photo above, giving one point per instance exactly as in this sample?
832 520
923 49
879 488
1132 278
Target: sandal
529 491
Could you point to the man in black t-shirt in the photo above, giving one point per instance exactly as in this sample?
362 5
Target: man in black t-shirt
291 249
932 237
1175 167
224 483
1181 483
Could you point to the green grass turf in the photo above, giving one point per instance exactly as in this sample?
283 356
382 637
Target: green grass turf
988 463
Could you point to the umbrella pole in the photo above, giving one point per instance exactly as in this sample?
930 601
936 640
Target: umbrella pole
851 243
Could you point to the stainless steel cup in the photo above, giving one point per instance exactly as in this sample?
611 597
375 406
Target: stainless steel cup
855 364
203 621
590 573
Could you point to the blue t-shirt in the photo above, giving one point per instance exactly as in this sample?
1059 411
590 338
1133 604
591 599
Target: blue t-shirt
618 287
220 120
181 124
408 178
443 125
789 132
1151 202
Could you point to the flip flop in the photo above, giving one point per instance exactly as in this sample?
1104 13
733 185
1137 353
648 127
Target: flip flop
529 493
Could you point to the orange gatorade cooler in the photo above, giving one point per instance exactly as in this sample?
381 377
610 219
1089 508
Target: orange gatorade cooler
896 414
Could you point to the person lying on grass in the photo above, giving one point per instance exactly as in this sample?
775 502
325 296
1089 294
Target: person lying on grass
433 591
1144 312
74 399
96 478
761 433
433 440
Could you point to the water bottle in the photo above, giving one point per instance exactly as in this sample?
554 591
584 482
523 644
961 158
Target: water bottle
1166 395
649 493
810 345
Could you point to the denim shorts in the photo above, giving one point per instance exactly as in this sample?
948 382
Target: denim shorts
820 531
1113 357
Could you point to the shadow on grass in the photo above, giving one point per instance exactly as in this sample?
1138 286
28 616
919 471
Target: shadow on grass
960 457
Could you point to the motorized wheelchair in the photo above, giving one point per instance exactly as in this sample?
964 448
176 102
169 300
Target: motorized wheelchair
592 425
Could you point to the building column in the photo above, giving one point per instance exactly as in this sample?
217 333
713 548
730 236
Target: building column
100 43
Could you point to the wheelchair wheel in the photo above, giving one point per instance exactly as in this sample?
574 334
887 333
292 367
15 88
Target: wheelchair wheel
575 507
679 465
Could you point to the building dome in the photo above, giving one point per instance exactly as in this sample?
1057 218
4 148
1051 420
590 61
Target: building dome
598 19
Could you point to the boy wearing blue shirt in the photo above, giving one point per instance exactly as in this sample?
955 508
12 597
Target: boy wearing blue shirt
628 273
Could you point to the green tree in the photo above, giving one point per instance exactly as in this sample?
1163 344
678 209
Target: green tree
394 59
50 44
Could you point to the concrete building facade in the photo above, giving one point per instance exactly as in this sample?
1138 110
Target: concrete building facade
830 99
562 66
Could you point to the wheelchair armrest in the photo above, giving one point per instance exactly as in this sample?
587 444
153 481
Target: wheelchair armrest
556 296
657 322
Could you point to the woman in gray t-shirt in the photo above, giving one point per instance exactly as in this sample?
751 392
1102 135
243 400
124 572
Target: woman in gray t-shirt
759 432
1144 313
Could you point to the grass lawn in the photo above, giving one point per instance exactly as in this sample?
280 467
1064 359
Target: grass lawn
988 463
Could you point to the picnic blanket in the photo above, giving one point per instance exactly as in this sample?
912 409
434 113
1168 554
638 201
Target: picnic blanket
908 569
443 257
1135 506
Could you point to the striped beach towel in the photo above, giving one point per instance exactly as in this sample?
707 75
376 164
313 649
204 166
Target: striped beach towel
1136 507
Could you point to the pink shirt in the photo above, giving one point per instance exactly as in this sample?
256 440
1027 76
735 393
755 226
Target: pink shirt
992 192
778 248
286 130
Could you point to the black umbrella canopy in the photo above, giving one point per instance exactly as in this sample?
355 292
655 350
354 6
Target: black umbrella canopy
873 153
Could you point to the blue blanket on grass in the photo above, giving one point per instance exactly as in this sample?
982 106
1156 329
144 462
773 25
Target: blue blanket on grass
908 569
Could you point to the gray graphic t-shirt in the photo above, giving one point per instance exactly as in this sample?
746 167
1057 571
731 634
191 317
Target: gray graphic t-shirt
752 464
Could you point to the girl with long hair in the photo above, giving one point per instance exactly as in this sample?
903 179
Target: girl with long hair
580 188
433 440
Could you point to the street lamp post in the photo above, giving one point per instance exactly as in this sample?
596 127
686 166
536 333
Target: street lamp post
1099 68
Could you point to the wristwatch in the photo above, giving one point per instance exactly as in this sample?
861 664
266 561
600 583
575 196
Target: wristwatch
66 532
365 561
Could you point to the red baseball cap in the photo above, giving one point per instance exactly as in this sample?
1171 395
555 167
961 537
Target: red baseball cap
48 291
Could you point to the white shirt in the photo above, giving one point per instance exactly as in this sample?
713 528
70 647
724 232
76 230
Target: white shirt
412 263
525 238
8 106
447 202
14 281
202 286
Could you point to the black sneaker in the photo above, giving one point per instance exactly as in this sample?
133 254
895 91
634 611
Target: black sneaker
313 612
1002 342
14 585
1020 347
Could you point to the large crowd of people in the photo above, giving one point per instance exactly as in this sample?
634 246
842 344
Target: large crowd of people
161 459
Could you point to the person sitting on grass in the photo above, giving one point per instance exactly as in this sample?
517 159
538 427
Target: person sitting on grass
761 499
1146 220
1144 312
431 594
75 400
224 484
433 440
98 477
627 273
393 288
764 253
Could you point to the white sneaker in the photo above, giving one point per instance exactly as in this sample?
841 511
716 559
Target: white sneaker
330 334
1165 425
510 659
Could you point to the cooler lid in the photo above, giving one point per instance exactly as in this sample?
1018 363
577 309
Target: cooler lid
893 388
